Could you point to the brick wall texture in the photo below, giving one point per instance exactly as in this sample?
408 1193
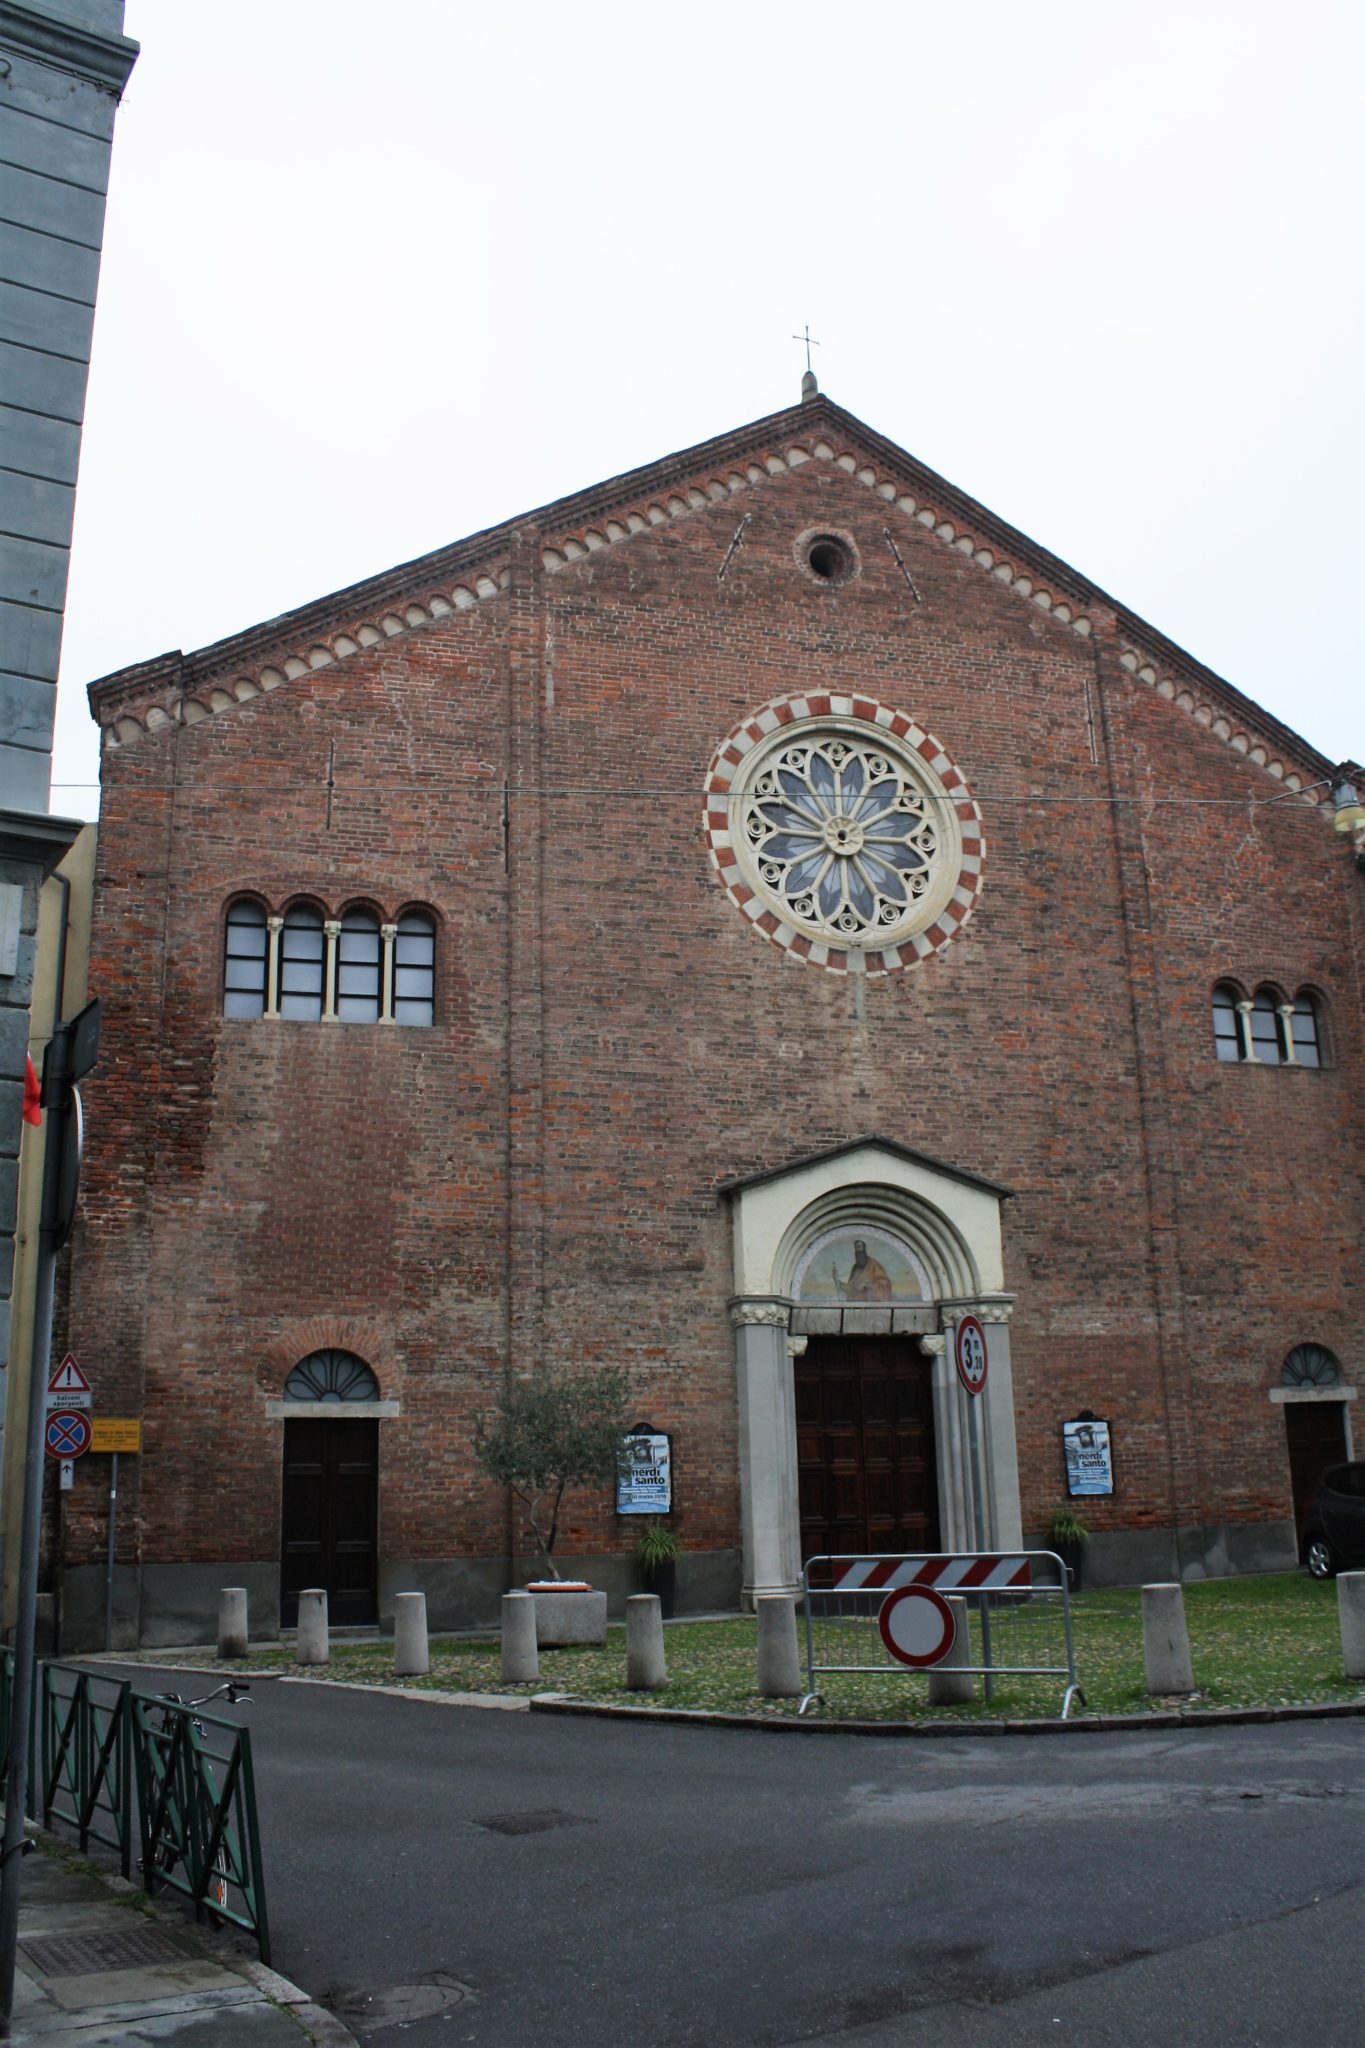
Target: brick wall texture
535 1177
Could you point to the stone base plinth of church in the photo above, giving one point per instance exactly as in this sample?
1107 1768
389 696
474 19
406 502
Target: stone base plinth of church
568 1615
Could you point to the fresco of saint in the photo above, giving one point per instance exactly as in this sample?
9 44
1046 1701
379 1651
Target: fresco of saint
868 1279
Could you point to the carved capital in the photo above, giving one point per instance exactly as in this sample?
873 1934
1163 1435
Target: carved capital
987 1308
933 1347
797 1345
769 1310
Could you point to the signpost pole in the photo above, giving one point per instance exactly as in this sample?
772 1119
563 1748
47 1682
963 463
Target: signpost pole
109 1561
973 1359
70 1053
979 1525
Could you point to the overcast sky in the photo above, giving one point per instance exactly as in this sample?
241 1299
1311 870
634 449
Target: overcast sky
375 277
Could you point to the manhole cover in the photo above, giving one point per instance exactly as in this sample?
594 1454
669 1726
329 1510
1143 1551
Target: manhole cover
79 1955
537 1822
398 2005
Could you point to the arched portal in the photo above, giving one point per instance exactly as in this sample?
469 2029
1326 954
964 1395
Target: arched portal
852 1270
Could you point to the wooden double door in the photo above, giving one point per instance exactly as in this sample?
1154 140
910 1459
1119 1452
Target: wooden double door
865 1447
330 1520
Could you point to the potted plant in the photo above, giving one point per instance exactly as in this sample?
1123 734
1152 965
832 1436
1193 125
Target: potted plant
657 1551
1068 1535
547 1433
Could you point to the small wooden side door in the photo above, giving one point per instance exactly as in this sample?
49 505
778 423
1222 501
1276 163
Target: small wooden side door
1316 1435
330 1518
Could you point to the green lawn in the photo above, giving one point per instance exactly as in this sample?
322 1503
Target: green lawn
1256 1642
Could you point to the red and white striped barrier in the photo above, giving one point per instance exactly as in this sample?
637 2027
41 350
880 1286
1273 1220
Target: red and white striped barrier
945 1574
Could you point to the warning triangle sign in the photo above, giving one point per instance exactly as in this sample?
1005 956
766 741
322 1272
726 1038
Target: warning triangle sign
68 1378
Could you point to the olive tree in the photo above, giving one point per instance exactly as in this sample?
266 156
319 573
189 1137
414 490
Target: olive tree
549 1432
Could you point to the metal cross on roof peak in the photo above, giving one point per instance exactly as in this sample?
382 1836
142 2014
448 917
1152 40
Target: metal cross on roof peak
809 343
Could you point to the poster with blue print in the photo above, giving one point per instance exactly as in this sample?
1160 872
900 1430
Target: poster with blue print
1089 1457
644 1482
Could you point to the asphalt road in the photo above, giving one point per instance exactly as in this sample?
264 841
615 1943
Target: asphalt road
598 1882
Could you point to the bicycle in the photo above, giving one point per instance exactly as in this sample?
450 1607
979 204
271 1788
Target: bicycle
166 1854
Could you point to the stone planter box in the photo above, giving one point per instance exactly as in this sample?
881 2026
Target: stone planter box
569 1615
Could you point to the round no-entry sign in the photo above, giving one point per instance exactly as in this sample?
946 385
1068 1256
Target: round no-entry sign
970 1351
917 1626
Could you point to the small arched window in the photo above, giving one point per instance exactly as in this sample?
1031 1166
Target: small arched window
359 968
1267 1044
1227 1034
303 960
1310 1365
245 957
331 1376
414 969
1305 1035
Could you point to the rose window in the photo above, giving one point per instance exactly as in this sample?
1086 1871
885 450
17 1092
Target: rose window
840 827
841 835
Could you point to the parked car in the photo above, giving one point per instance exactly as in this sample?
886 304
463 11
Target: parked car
1333 1535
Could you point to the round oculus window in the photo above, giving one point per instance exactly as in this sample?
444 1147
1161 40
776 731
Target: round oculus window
840 826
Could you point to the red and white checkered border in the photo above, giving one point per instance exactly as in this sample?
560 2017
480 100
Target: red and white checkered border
799 945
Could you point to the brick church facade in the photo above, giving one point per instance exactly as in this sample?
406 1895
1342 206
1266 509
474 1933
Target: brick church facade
733 923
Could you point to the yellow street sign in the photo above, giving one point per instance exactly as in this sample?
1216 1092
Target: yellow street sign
115 1433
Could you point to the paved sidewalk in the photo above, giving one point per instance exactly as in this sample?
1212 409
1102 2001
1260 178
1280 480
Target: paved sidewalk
100 1963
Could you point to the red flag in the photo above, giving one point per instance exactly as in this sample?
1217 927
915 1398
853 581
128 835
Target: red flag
33 1094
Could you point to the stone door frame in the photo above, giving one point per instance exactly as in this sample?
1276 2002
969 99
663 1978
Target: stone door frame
952 1221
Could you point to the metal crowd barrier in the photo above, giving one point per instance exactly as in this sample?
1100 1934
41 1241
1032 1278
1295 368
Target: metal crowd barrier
1018 1615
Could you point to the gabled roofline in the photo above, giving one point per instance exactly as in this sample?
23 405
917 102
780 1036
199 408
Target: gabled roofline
742 1182
178 676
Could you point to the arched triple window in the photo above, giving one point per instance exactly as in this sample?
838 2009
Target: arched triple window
355 969
1266 1030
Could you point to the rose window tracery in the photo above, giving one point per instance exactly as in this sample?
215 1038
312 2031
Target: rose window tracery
843 832
841 835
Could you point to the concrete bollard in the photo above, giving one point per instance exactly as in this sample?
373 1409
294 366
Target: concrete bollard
949 1687
520 1657
232 1621
312 1646
1165 1640
1351 1615
779 1661
411 1658
646 1670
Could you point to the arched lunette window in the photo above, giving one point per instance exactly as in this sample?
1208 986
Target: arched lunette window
245 961
414 969
303 961
331 1376
360 959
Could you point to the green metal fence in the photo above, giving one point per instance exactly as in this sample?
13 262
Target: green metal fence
87 1757
197 1812
123 1767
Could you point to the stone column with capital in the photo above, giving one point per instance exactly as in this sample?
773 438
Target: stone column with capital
769 1504
997 1445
